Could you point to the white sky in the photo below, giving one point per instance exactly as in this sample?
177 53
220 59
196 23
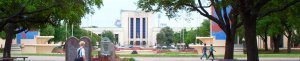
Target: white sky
110 12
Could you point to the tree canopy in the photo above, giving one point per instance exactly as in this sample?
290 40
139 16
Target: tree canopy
110 35
33 14
61 34
165 36
47 31
190 37
225 17
23 15
248 11
204 29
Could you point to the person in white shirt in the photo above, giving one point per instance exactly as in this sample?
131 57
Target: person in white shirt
81 52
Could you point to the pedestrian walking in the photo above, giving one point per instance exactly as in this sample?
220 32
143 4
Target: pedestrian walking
204 51
211 51
80 52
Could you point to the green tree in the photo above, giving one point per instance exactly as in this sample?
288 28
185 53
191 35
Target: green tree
228 23
95 38
258 9
79 32
161 38
176 38
22 15
47 31
289 21
110 35
297 38
2 35
276 31
190 38
286 21
262 30
204 29
247 10
165 36
60 34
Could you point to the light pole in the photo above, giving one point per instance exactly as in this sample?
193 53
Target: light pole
72 30
66 31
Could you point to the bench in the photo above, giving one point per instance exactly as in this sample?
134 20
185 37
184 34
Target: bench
9 59
12 58
20 57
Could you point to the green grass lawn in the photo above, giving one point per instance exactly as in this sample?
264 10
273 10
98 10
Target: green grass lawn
182 54
36 54
196 55
170 54
293 54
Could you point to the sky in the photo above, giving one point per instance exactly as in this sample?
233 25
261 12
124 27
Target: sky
110 12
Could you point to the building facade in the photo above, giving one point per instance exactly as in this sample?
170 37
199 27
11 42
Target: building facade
136 29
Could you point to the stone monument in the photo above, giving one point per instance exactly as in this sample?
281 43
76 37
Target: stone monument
70 47
107 50
87 47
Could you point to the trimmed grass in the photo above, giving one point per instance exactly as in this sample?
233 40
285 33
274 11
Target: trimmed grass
34 54
170 55
182 54
195 55
175 54
281 51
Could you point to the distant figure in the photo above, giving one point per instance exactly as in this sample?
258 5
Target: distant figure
204 51
80 52
211 51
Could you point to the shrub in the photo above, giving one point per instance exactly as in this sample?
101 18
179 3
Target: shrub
1 50
131 59
128 59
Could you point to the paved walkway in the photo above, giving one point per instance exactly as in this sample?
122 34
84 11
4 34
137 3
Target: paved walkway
62 58
44 58
198 59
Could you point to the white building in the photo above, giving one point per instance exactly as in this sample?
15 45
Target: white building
135 28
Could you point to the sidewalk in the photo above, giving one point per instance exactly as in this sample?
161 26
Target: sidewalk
62 58
45 58
217 59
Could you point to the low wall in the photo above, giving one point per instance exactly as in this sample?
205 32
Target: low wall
219 49
139 52
39 48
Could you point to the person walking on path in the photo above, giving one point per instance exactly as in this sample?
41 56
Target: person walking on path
204 51
80 52
211 51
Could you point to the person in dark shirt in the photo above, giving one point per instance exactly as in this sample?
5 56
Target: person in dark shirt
211 51
204 51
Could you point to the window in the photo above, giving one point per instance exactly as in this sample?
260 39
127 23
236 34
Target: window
144 42
131 42
131 28
137 27
137 43
117 38
144 28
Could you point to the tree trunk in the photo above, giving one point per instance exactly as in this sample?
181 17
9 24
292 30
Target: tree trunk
9 37
229 48
266 42
187 46
276 43
250 36
289 43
